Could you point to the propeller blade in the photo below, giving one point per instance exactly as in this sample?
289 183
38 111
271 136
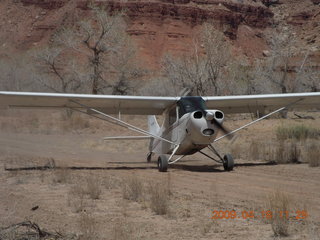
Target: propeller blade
222 128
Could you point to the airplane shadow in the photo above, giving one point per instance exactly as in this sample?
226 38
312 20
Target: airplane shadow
215 167
185 167
44 168
255 164
197 168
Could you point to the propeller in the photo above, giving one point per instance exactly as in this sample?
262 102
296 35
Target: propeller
222 128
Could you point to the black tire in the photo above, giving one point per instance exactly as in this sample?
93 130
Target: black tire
162 163
228 162
149 157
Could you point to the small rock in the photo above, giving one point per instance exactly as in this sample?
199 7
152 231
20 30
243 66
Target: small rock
266 53
35 208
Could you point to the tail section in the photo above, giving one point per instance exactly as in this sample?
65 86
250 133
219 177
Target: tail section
153 125
154 129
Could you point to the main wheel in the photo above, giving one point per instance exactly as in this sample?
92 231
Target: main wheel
149 157
162 163
228 162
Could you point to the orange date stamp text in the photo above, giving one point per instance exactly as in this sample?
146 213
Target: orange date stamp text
264 214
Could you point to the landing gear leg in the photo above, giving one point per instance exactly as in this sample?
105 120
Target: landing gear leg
227 160
149 156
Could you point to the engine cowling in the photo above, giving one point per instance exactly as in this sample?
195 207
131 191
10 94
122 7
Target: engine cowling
215 114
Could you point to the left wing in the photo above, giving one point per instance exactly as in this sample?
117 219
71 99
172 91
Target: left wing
110 104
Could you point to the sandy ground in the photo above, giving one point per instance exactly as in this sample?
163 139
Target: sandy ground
198 187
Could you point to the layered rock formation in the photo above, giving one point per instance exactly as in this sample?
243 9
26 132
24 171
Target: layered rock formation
158 26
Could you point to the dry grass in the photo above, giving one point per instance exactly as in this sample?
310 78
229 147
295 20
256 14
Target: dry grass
76 198
298 132
287 152
88 227
254 150
75 121
93 187
205 226
159 197
313 154
278 203
28 230
61 175
124 230
111 182
282 152
132 189
236 150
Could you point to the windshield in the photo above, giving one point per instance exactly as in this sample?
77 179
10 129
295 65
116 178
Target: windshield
191 104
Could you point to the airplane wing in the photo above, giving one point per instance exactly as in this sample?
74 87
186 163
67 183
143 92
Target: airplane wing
263 102
110 104
142 105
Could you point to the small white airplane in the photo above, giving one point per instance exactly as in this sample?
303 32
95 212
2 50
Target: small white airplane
190 123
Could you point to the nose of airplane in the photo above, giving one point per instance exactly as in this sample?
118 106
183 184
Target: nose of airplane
200 128
209 116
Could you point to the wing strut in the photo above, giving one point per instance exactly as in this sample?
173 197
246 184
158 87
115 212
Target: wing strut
255 121
117 121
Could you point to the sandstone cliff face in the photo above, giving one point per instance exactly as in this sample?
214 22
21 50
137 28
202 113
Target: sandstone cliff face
157 26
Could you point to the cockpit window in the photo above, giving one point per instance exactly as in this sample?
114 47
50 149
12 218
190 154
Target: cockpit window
191 104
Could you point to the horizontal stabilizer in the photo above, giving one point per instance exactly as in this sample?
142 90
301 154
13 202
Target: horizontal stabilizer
127 138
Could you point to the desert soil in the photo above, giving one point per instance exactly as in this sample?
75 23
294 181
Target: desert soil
198 187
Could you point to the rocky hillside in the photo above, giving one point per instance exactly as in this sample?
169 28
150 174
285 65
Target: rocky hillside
168 25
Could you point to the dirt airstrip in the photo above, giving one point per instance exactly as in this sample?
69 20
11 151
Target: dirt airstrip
43 170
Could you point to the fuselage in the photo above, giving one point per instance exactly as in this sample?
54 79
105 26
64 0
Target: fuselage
188 124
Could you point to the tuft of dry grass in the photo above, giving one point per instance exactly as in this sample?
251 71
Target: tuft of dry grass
110 182
278 203
159 197
236 150
123 230
313 154
88 227
287 152
132 188
76 198
254 150
93 187
74 122
61 175
205 227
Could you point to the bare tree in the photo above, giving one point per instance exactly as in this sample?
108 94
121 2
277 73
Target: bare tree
308 75
57 72
280 71
241 77
276 72
201 69
94 55
15 74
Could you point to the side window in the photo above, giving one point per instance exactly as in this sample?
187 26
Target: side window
180 111
172 116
